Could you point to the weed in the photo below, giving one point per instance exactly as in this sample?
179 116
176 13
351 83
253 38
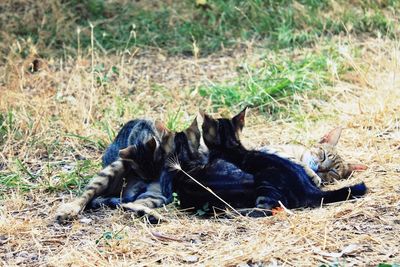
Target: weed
276 79
74 177
120 25
174 121
110 236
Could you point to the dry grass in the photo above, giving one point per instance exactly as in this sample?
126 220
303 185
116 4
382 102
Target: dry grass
63 98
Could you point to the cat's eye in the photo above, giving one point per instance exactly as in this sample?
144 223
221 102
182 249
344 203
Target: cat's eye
331 156
334 174
321 154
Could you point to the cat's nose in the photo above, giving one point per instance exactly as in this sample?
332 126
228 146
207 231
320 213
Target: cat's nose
322 169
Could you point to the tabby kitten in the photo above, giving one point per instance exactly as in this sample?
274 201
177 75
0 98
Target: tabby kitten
130 180
276 179
323 159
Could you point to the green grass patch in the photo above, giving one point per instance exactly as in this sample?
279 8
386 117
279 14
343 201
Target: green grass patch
75 179
53 177
273 81
175 27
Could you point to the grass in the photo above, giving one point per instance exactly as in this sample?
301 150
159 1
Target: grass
272 80
63 28
166 60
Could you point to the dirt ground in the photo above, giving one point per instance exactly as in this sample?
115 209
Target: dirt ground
364 232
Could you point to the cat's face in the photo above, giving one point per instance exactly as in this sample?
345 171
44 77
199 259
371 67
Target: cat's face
184 144
223 133
331 165
145 159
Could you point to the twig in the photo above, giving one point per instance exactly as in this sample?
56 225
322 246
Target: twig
285 209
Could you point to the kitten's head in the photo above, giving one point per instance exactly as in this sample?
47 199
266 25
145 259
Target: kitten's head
223 133
331 166
145 159
183 144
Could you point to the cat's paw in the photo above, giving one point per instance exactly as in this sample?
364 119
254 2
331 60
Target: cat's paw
256 212
67 212
317 181
266 203
140 210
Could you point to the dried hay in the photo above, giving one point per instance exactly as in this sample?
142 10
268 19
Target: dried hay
362 232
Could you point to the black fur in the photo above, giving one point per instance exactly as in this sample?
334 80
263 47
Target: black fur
275 178
223 178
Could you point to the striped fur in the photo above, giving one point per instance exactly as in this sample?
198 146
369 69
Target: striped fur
322 161
130 181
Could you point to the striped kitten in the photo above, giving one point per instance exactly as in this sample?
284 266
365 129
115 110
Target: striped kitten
322 159
130 178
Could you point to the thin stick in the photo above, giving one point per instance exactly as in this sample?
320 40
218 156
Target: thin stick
285 209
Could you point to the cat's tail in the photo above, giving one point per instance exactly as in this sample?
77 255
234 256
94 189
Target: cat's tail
345 193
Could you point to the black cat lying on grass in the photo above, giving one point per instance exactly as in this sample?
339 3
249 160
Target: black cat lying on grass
276 179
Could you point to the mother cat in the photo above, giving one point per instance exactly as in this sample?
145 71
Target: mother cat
276 180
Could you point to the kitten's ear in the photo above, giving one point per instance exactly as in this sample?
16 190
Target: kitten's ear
239 120
357 167
127 153
193 126
193 133
205 116
207 119
209 127
167 141
332 137
160 127
152 144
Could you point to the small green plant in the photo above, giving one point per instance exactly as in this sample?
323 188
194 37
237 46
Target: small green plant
273 81
110 236
76 178
174 120
13 181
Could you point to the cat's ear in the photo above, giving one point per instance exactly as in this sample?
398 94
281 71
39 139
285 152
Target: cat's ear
167 141
152 144
357 167
239 120
210 129
193 134
332 137
193 126
127 152
205 116
160 127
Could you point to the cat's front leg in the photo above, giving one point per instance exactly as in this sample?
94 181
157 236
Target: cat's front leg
313 176
267 194
146 202
97 186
